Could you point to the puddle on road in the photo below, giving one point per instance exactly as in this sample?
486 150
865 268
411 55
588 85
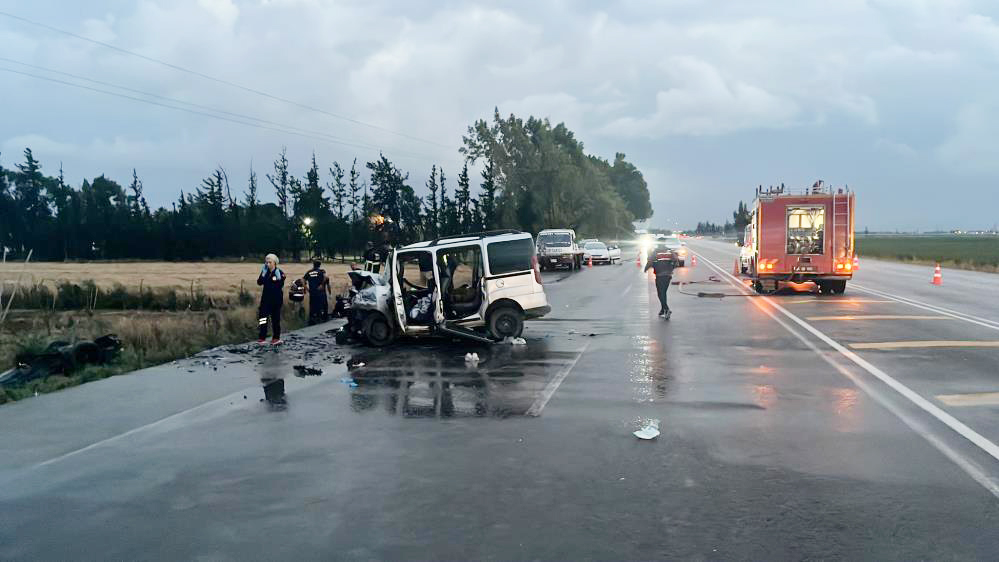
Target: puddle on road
650 372
421 381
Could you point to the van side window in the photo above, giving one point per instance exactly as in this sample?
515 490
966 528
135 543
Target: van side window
510 256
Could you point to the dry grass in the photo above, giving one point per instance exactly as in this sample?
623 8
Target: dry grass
216 279
148 338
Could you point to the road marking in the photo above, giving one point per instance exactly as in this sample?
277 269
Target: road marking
984 322
227 398
549 391
966 464
972 399
877 317
923 344
820 300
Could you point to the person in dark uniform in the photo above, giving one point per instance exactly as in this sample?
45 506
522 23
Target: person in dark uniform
271 279
319 289
662 261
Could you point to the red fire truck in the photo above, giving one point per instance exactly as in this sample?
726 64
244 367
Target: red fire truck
799 237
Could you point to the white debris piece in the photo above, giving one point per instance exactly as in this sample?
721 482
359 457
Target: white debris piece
650 431
514 341
472 359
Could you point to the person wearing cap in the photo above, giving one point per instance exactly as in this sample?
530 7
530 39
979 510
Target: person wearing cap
662 260
271 280
319 290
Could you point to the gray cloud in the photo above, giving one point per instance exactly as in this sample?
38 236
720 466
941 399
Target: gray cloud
893 97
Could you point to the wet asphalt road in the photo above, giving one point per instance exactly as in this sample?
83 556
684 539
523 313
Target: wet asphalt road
773 446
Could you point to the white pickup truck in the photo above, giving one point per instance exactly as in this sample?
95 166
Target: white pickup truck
557 247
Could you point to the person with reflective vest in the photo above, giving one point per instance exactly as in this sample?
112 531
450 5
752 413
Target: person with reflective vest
319 289
662 260
271 280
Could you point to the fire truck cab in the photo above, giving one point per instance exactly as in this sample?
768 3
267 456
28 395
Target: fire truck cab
800 237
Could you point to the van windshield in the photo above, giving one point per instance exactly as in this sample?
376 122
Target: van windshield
555 240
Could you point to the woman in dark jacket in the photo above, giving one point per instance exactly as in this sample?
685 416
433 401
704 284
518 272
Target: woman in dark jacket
271 279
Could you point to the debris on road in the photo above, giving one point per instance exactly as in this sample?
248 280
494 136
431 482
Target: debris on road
472 359
650 431
304 371
513 341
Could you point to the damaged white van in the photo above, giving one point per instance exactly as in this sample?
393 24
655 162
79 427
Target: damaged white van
480 286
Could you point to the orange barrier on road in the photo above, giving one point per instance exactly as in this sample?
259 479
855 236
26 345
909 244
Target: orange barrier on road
856 262
589 262
937 276
693 260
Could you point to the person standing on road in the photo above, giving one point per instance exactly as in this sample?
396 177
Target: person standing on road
319 289
662 261
271 279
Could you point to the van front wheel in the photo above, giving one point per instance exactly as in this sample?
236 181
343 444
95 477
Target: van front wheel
506 322
377 330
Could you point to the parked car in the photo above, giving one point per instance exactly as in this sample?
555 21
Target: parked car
596 251
678 247
614 253
478 286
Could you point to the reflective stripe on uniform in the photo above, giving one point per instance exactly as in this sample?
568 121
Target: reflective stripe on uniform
262 321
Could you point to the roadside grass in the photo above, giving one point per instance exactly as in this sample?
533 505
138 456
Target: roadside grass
144 285
148 338
977 253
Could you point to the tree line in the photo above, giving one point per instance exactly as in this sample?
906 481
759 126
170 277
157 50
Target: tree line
740 218
534 175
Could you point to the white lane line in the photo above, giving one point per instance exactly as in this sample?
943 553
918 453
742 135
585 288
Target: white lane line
973 399
984 322
852 317
552 386
969 466
918 344
148 426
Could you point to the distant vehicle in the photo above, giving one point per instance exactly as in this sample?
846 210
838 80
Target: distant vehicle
557 248
614 253
800 237
596 251
477 286
678 247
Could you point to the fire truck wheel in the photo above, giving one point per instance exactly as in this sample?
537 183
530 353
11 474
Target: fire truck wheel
837 287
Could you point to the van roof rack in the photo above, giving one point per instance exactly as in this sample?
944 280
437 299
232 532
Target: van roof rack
475 235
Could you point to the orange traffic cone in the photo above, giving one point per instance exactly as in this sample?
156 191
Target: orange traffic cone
589 262
638 261
693 260
856 262
735 267
937 276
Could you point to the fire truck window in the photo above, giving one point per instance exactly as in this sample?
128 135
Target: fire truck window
805 230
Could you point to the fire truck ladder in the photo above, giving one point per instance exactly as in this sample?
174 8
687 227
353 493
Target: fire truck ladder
841 224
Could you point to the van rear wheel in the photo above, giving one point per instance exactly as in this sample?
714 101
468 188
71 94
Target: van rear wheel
506 322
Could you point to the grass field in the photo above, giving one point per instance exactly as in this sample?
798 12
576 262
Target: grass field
217 279
980 253
161 311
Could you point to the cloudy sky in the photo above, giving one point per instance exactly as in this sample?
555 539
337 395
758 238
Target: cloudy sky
896 98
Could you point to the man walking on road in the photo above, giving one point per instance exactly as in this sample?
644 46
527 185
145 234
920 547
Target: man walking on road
662 261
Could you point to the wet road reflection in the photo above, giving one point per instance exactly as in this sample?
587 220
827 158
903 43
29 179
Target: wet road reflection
435 381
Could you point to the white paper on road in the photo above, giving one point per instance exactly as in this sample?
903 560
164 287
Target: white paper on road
514 341
650 431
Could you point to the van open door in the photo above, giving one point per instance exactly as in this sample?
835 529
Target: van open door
398 307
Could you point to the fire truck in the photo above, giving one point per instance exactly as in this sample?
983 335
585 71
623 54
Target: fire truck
800 237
